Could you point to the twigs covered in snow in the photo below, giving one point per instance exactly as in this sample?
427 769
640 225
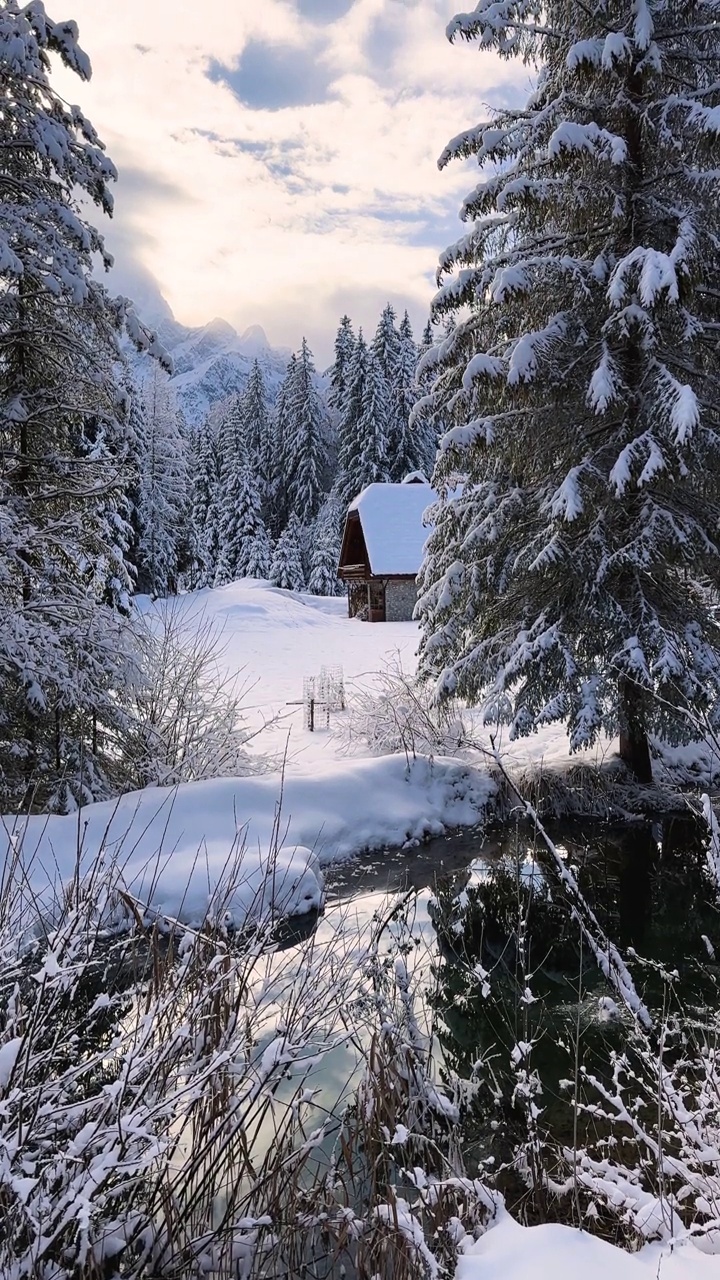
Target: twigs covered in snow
399 715
163 1108
606 953
713 851
183 717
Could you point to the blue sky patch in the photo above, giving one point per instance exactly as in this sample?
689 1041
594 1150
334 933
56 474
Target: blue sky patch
324 10
270 77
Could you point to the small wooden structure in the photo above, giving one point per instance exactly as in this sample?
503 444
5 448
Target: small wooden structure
382 549
322 694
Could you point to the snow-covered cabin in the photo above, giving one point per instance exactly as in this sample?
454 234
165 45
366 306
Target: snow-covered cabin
382 549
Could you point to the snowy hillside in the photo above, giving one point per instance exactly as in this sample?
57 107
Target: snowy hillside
213 361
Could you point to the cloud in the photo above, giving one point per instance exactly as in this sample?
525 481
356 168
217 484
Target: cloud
298 179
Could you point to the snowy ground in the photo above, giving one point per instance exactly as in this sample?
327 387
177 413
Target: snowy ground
271 639
178 849
509 1251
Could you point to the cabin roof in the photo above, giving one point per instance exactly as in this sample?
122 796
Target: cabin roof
391 518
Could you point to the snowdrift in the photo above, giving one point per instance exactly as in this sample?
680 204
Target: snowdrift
246 847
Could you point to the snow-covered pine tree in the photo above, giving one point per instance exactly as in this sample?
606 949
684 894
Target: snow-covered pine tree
231 453
62 426
397 357
349 441
386 343
278 515
231 433
115 444
412 444
573 578
406 330
257 552
204 515
339 374
425 418
373 427
325 552
163 504
244 542
257 432
305 446
286 569
136 430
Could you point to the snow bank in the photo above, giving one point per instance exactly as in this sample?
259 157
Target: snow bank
207 843
509 1251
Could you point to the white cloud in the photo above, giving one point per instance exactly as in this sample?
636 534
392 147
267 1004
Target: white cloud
287 216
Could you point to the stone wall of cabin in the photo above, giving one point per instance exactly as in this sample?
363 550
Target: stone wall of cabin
400 599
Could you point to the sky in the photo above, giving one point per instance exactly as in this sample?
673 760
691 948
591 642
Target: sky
278 158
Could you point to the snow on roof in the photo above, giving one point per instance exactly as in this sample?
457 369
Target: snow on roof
391 516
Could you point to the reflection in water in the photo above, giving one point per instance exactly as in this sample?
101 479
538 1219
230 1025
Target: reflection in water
495 901
498 959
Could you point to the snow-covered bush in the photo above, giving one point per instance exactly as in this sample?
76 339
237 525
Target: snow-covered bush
183 714
631 1044
655 1164
158 1115
399 715
138 1064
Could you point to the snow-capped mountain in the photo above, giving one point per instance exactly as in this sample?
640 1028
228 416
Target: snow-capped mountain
213 361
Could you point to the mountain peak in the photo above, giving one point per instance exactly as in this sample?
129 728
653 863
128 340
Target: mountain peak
254 339
219 328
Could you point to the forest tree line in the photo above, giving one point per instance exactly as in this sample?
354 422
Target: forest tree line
261 487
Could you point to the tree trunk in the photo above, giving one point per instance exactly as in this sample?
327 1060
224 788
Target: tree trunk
634 745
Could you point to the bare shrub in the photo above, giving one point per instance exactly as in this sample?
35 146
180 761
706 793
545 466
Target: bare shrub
183 718
400 716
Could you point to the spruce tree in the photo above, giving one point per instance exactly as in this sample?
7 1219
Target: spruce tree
305 442
258 552
281 431
136 428
325 551
257 432
231 434
373 428
386 344
412 445
286 569
163 500
244 544
339 374
204 514
425 417
573 576
350 443
397 356
231 459
63 431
